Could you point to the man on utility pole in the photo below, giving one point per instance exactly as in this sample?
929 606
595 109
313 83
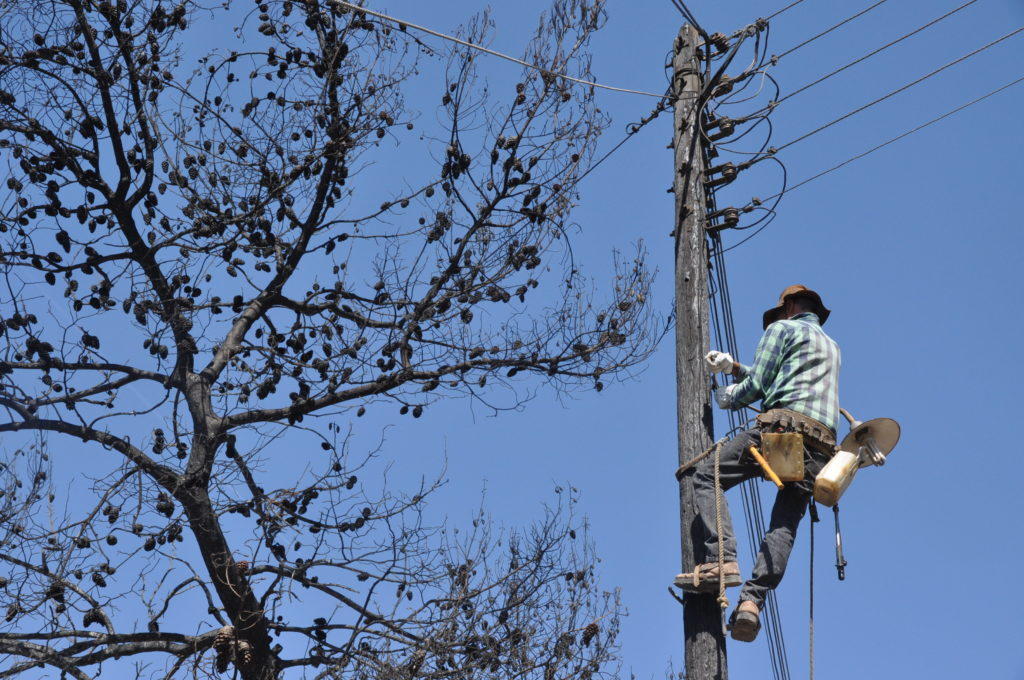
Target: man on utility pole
702 622
796 374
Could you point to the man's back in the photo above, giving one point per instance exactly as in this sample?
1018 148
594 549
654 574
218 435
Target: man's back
796 367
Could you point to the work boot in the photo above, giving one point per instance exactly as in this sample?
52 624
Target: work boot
745 622
704 578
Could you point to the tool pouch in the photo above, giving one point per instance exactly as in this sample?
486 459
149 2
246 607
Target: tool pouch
784 452
784 434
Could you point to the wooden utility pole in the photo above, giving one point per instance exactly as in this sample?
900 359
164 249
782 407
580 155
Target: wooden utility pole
702 617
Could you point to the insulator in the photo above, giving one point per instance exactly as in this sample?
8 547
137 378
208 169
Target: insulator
724 86
726 126
728 173
730 218
720 41
713 123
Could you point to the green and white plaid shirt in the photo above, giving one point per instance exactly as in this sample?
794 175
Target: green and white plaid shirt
796 366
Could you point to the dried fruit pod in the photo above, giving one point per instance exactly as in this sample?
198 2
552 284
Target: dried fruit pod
92 616
223 645
243 652
225 636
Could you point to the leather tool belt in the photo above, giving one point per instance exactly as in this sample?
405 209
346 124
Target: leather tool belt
816 435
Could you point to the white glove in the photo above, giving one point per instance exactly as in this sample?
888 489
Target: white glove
719 362
723 396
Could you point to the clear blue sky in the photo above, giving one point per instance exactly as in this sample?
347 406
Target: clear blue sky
916 249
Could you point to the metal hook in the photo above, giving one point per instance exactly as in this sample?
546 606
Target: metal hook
840 560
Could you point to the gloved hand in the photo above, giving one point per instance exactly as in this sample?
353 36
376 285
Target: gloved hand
723 396
719 362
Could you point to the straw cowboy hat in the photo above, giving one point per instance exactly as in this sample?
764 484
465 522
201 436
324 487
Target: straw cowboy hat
774 313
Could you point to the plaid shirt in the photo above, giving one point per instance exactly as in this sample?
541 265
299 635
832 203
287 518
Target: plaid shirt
796 366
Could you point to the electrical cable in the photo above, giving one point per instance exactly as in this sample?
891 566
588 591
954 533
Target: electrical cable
689 16
725 333
714 80
829 30
771 215
631 131
899 137
810 596
871 54
898 90
777 197
784 9
402 24
762 228
757 66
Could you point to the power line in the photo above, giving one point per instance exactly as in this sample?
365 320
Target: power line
724 329
444 36
900 136
786 8
830 29
631 130
872 53
897 91
689 16
874 149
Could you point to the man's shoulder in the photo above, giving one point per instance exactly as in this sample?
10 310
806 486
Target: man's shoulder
782 326
795 327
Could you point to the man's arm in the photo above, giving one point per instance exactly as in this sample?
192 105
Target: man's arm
756 378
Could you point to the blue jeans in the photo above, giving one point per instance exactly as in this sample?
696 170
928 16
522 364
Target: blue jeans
737 465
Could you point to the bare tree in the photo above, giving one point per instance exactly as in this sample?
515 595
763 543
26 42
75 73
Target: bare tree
193 272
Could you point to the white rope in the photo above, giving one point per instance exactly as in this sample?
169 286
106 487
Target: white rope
481 48
723 601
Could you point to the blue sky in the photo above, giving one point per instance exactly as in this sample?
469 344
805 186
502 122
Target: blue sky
916 248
